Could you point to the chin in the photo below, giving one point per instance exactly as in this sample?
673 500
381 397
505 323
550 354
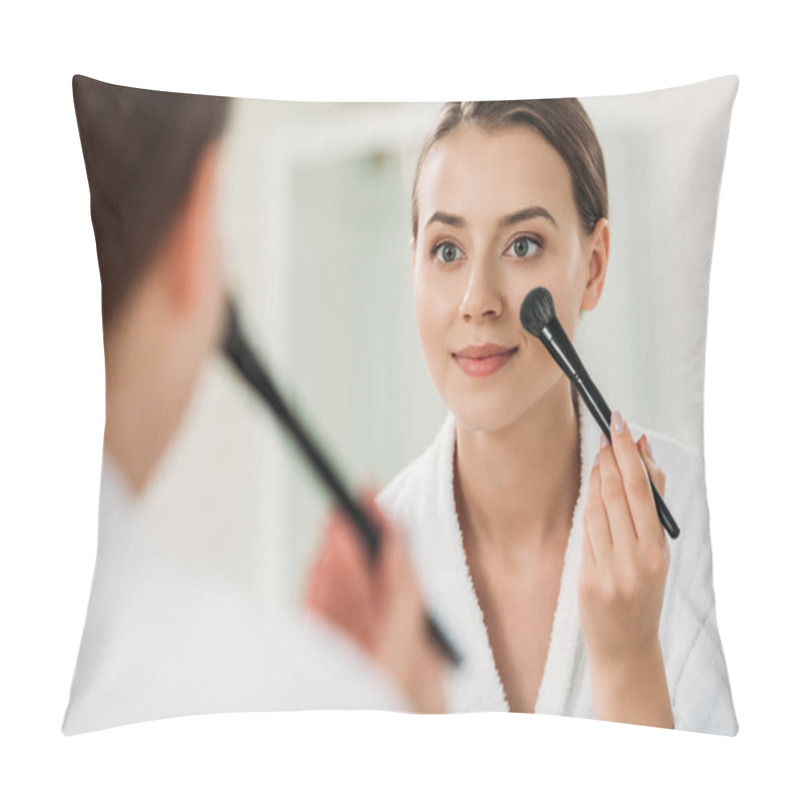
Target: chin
484 414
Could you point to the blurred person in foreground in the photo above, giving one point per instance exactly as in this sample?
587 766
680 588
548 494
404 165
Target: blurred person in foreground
161 638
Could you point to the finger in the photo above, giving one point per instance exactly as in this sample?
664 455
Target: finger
653 469
313 585
657 536
612 489
343 544
428 676
346 544
370 506
397 583
313 591
342 588
318 592
587 544
368 499
595 520
387 534
394 543
635 481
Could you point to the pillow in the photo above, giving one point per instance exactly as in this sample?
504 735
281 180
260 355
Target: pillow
320 219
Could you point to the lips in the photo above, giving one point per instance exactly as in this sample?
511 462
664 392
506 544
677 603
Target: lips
479 361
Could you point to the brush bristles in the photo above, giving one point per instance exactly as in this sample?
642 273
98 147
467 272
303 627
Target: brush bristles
537 311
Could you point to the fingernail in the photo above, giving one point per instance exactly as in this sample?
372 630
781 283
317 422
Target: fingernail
647 445
603 441
617 423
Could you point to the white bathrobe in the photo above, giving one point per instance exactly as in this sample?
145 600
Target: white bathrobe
421 500
164 639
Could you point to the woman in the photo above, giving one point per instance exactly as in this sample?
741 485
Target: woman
537 547
164 636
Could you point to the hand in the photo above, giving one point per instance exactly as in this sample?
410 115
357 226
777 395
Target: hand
623 574
378 605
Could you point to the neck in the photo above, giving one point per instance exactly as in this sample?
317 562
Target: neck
131 406
516 487
144 364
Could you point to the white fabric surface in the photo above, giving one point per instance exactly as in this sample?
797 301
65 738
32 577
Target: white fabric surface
421 500
161 640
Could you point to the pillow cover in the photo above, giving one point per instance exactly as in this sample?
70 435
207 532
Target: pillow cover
303 212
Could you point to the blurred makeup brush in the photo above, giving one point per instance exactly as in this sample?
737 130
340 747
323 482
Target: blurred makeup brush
238 351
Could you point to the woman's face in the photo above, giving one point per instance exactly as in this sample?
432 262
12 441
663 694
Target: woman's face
497 218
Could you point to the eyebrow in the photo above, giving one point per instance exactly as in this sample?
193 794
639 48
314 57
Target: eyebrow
532 212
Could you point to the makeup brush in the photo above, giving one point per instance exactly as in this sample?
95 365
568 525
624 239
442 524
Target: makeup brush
538 317
238 351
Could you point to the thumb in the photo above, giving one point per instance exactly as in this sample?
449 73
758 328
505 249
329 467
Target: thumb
390 541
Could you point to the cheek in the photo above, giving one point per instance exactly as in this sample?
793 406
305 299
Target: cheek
432 335
433 307
435 318
564 279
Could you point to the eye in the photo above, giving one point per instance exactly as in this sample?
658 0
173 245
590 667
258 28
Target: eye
449 252
525 246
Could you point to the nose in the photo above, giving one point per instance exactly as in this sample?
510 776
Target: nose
481 300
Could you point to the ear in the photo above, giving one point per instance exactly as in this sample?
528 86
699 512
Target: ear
598 250
186 250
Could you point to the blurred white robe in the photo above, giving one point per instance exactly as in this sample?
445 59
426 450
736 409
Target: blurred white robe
163 639
421 499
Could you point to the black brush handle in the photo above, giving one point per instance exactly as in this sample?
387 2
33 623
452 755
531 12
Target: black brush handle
238 351
557 342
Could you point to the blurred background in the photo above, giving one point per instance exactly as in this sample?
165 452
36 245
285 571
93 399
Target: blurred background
315 230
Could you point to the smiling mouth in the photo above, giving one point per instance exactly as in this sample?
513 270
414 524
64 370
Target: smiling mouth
483 366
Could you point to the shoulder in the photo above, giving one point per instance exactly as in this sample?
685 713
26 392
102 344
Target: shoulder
689 601
689 633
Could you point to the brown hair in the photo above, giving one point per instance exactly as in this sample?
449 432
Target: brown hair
563 123
141 150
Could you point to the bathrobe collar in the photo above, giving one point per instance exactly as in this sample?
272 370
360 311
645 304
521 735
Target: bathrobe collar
448 584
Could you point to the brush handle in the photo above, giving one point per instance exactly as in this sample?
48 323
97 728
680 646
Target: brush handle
557 342
250 368
600 412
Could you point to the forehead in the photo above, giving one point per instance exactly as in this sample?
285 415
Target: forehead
483 174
